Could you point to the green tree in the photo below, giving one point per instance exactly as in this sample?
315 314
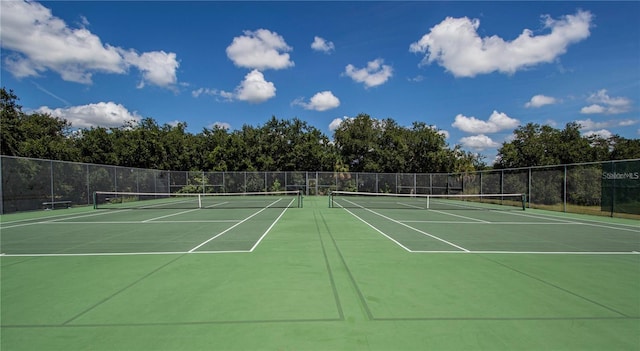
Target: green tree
427 149
46 137
536 145
625 149
10 116
96 145
533 145
211 145
356 140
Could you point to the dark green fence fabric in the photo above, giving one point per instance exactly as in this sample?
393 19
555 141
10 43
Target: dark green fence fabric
607 188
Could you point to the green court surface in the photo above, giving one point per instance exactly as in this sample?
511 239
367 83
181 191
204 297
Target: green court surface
318 278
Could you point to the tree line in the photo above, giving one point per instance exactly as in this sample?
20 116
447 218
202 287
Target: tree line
360 144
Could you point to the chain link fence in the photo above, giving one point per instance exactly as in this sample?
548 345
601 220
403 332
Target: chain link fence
606 188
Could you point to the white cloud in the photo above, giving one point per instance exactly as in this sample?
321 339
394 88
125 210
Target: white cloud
374 74
102 114
602 133
158 67
175 123
588 124
320 44
478 142
593 109
628 122
602 103
322 101
497 121
335 124
442 132
203 91
260 49
540 100
456 45
225 95
37 42
221 125
254 88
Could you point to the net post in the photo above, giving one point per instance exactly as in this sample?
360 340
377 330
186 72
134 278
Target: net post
300 199
524 201
199 200
330 199
95 202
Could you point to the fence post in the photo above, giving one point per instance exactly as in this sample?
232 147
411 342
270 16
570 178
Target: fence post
51 181
89 197
564 191
529 188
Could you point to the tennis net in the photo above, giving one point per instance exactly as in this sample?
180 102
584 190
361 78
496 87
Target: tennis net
132 200
348 199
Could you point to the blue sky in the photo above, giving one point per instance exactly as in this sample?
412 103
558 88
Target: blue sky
473 70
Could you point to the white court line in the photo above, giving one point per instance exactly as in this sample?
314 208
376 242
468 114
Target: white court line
409 205
244 251
586 222
484 222
145 222
233 226
377 230
271 226
59 219
582 220
407 226
97 254
534 252
169 215
42 218
459 216
183 212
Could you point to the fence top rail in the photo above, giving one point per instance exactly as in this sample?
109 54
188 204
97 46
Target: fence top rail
329 172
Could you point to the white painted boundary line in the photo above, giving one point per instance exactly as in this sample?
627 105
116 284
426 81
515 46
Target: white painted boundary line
97 254
583 253
270 227
182 212
145 222
586 222
377 230
459 216
58 219
404 225
533 252
581 220
485 222
44 218
169 215
233 226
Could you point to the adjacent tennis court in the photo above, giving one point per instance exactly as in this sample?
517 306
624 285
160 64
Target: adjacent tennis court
340 273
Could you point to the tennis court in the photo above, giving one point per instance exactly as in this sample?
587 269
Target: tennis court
318 276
